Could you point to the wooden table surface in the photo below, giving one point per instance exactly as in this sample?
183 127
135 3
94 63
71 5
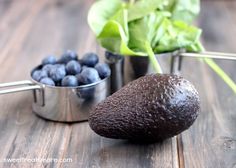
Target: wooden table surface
30 29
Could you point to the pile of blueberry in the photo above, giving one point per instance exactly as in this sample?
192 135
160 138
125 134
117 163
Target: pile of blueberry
69 71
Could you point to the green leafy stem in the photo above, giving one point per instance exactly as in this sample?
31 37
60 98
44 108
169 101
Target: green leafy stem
221 73
210 62
153 59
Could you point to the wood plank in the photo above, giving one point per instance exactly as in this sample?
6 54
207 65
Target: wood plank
52 27
211 142
91 150
12 13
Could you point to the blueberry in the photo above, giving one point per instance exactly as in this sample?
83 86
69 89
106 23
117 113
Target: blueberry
79 78
68 56
86 93
58 83
57 73
90 59
47 81
88 76
39 74
60 66
103 70
49 60
83 67
73 67
69 81
47 68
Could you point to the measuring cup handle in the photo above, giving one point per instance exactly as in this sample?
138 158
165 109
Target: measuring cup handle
19 86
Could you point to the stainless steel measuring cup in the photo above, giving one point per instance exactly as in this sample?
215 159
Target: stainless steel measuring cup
125 69
62 104
128 68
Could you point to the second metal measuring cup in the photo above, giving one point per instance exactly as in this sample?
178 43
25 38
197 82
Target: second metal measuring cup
128 68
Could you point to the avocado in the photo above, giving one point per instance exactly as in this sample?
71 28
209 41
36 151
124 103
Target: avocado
151 108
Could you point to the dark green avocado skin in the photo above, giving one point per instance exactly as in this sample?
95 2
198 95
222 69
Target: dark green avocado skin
151 108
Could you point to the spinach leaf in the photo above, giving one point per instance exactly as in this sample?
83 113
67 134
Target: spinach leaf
114 33
145 29
142 33
162 33
124 28
142 8
159 32
101 12
115 36
177 34
184 10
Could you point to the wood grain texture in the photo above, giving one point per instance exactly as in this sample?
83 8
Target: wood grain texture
30 29
211 142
